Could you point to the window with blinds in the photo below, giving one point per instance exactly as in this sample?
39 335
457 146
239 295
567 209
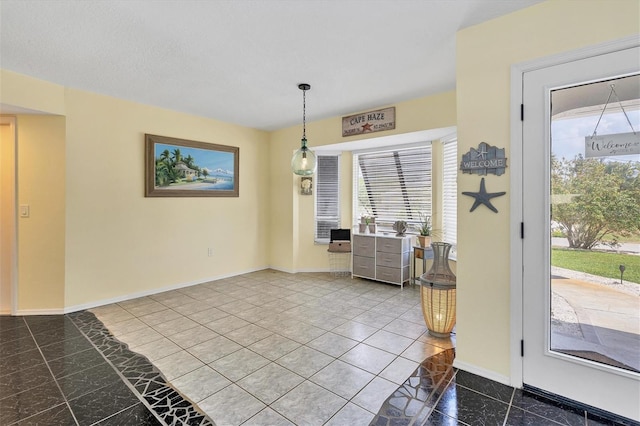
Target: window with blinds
450 191
327 197
393 185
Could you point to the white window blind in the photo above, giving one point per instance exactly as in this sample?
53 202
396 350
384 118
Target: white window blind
327 197
393 185
450 191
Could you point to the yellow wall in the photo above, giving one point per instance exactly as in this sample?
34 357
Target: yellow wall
92 235
292 215
118 241
282 187
30 93
485 54
41 237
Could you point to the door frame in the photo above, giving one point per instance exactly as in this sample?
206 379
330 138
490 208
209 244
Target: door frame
516 185
9 120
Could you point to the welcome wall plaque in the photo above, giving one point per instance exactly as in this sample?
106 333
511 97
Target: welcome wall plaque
369 122
484 160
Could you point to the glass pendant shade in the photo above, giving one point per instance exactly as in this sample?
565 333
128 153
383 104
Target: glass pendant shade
304 161
438 293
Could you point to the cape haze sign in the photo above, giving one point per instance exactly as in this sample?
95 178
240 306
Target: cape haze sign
612 145
369 122
484 160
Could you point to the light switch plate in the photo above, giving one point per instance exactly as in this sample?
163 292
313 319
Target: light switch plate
24 210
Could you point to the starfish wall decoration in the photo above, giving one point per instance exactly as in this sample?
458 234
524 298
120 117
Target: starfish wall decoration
483 197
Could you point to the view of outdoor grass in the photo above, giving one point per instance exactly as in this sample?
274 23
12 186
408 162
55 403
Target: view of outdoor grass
603 264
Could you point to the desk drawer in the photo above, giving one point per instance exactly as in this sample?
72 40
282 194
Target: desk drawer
364 266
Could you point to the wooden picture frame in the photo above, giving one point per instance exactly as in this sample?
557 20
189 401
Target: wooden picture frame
183 168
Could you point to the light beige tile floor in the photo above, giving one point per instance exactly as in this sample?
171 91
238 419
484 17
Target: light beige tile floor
271 348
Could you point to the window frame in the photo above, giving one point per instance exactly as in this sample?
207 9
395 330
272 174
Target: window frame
319 192
450 165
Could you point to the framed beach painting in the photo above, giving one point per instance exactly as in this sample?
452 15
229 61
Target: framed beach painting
184 168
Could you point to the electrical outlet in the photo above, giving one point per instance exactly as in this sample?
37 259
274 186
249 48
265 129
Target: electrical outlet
210 252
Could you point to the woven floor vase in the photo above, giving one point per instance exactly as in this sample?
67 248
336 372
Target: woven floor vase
438 293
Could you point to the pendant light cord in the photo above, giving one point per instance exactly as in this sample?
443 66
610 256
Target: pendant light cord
304 113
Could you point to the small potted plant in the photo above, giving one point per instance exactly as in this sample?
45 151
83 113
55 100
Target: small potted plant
424 229
362 226
371 224
367 224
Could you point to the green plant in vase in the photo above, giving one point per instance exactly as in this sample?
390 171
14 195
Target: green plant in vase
424 228
371 224
364 223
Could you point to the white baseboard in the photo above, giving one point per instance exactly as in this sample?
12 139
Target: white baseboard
288 271
102 302
150 292
487 374
5 311
298 271
28 312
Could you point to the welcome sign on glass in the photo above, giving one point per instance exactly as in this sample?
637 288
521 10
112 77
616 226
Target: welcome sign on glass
184 168
612 145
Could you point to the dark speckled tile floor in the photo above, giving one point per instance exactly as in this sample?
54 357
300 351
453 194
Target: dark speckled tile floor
69 370
266 348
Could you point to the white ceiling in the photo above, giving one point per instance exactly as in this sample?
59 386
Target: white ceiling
241 61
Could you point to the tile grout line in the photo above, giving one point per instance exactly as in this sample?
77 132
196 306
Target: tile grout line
435 388
66 401
513 394
138 394
122 378
370 310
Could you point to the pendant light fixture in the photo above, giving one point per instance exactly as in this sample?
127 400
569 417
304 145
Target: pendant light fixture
304 162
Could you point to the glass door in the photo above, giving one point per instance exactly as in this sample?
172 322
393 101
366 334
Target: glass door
595 222
581 278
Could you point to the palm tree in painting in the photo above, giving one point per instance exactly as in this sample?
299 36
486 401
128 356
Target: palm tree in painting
164 169
174 175
165 156
177 156
188 161
163 177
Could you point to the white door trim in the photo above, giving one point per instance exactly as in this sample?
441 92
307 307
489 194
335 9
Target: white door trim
516 182
13 269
